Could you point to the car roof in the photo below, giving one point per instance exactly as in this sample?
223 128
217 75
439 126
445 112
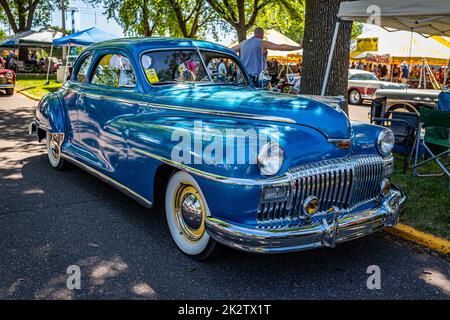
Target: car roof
149 43
355 71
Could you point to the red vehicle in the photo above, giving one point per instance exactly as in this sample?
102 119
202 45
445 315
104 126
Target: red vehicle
7 80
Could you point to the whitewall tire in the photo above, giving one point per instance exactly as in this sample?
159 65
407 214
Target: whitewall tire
54 151
186 210
354 97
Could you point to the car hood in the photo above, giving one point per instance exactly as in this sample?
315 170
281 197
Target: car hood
321 113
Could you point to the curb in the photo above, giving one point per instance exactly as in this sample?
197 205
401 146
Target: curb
29 96
425 239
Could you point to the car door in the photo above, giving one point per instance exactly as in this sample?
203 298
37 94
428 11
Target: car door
110 97
73 95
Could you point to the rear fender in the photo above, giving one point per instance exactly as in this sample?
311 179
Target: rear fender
50 114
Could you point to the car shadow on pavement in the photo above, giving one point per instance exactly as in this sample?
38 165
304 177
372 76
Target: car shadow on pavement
51 220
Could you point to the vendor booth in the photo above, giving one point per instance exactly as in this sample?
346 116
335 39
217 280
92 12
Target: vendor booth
401 46
31 40
428 18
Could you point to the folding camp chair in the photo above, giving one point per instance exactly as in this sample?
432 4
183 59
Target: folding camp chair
404 125
444 100
437 135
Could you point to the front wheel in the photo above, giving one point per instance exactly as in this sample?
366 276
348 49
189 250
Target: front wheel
9 92
186 211
354 97
54 151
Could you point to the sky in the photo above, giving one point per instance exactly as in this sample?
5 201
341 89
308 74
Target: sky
87 16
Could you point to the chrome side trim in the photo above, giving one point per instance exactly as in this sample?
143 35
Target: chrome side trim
189 109
212 176
110 181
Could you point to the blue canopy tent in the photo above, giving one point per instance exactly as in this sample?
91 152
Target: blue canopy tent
82 38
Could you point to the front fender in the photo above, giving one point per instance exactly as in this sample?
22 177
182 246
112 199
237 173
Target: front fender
50 114
364 137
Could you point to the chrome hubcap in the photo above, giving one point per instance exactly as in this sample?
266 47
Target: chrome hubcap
354 96
189 212
53 147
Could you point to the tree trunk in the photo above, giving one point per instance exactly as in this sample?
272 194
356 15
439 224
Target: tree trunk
320 20
242 33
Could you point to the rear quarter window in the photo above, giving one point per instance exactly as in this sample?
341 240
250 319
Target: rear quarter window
83 69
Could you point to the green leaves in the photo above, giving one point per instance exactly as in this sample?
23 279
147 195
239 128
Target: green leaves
23 15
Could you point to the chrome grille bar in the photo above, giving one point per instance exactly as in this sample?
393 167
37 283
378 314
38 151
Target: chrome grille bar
345 183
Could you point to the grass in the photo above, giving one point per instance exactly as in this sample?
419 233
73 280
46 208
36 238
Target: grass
428 205
35 85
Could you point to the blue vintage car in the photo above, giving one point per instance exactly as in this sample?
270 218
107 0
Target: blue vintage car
178 122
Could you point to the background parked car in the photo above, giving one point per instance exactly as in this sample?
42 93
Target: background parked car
362 85
7 81
409 100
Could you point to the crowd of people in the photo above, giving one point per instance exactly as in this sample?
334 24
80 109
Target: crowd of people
9 60
34 62
399 72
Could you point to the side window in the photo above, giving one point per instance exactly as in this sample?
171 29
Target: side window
114 70
82 71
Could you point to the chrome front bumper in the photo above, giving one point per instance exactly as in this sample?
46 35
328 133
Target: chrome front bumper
326 233
7 86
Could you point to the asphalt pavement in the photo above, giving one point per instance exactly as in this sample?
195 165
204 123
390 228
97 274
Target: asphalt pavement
50 220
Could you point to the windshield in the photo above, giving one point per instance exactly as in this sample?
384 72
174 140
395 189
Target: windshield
187 66
364 76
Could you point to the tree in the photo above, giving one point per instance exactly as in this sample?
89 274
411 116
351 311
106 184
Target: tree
3 35
180 18
22 15
240 14
191 16
286 17
137 17
320 20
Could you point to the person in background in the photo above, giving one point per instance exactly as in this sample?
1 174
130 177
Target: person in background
359 66
376 70
253 53
272 68
353 65
441 74
395 73
404 68
383 72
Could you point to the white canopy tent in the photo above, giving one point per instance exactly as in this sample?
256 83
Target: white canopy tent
276 37
404 44
427 17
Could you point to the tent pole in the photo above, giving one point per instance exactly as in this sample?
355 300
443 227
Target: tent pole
67 63
48 68
330 57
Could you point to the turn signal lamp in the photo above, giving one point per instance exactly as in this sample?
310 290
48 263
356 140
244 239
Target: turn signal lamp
311 205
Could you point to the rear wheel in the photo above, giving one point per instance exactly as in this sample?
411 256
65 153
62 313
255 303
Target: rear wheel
9 92
186 211
354 97
54 151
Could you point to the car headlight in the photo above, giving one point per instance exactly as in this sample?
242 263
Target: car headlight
270 159
385 142
9 74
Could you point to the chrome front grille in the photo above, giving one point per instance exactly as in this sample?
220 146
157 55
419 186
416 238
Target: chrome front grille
2 80
345 183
